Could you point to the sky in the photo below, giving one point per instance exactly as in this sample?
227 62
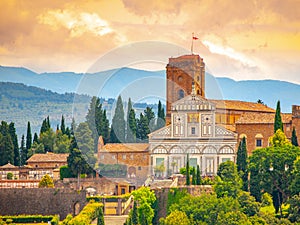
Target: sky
242 40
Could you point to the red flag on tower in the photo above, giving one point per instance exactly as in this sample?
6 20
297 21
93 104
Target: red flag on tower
193 38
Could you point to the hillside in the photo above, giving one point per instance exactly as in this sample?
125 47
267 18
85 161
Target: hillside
20 103
143 85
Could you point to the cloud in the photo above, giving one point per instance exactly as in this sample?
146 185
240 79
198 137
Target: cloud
77 24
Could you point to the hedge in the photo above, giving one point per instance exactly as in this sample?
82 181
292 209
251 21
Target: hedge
31 219
108 198
89 213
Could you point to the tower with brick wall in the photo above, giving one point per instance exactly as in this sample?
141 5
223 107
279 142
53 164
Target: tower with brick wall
181 73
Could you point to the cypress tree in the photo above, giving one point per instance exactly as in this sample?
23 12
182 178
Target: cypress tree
294 138
134 216
161 120
132 127
14 138
194 179
35 138
241 161
48 123
23 150
105 130
28 137
187 176
198 179
149 114
118 124
142 129
6 150
130 123
278 121
62 125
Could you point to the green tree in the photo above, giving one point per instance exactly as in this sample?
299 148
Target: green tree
205 209
145 198
46 182
45 125
28 137
271 171
105 131
62 143
134 215
161 120
14 138
62 125
278 121
187 169
176 217
142 129
248 204
35 138
65 172
130 124
84 139
242 164
47 138
228 182
76 162
23 151
117 134
149 114
294 209
194 180
294 138
279 139
6 145
9 176
36 148
295 183
198 179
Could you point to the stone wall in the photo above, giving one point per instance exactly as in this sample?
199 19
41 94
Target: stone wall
42 201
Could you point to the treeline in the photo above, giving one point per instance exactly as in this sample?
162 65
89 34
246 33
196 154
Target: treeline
83 137
22 92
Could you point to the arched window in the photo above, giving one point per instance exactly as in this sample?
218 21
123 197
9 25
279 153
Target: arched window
180 94
259 140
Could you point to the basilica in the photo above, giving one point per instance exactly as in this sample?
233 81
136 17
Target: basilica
192 134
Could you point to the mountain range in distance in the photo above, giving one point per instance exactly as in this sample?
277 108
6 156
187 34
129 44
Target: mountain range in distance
148 86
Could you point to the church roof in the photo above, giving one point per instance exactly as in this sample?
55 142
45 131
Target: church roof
242 105
48 157
262 118
8 166
125 147
193 102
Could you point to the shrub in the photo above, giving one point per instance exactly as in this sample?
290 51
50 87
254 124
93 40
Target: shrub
90 212
9 176
65 172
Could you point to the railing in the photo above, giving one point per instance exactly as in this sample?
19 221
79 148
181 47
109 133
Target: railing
127 204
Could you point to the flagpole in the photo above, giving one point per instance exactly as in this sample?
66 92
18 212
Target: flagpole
192 43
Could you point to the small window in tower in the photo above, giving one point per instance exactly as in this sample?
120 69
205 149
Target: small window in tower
258 142
180 94
193 130
179 78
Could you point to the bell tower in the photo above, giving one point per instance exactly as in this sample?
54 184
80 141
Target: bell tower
182 72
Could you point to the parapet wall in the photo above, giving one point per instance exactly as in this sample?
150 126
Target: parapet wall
42 201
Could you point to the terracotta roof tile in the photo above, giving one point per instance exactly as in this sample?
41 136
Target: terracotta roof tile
8 166
241 105
130 147
48 157
262 118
